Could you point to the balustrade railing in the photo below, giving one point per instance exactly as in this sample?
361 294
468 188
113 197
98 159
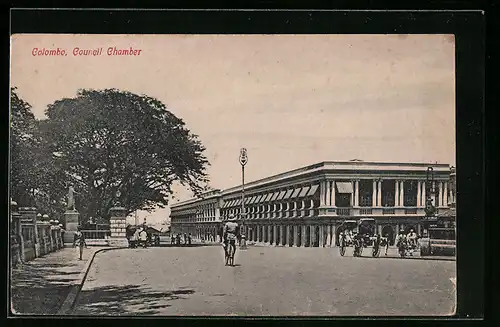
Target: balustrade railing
344 211
410 211
365 211
388 211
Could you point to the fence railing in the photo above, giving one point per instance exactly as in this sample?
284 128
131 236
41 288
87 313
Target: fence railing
96 234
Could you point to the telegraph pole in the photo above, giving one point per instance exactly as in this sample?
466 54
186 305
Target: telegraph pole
243 162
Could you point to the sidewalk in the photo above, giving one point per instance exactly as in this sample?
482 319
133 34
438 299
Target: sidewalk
40 286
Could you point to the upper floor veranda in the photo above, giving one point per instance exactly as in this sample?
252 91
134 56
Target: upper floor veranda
331 189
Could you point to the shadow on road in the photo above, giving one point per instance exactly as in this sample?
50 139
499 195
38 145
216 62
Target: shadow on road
126 300
41 289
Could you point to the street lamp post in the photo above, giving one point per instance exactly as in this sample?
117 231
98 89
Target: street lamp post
243 162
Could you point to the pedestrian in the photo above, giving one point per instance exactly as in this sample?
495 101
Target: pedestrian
79 240
189 239
135 238
143 236
172 239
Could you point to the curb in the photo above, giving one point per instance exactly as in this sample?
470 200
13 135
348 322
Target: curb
70 300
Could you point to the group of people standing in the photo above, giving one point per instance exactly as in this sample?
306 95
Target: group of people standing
179 239
409 240
140 237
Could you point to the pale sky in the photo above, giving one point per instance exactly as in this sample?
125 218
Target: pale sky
291 100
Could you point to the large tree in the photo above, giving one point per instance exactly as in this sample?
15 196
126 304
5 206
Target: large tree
104 141
34 176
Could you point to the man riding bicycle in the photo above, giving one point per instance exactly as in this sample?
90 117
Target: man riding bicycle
230 233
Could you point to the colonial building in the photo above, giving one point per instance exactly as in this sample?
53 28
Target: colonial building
305 207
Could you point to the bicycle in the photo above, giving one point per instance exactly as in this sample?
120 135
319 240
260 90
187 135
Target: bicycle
229 252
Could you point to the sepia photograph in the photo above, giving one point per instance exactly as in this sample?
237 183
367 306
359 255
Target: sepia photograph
232 175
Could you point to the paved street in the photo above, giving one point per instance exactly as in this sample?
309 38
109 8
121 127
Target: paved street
41 286
265 281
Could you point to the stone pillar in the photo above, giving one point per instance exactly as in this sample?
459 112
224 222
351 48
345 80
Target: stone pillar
28 216
396 194
322 193
328 191
72 220
379 194
296 231
423 202
356 196
283 235
328 235
334 235
304 237
275 239
419 194
321 236
402 194
374 193
16 220
445 194
118 224
332 196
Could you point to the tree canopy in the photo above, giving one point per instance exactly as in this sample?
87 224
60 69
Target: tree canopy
104 141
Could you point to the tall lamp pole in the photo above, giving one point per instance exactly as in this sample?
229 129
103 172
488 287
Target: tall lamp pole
243 162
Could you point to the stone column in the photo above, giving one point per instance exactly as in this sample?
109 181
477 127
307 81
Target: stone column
322 193
396 194
328 235
328 186
445 194
419 194
303 235
356 196
283 236
374 193
321 236
402 194
117 225
379 194
275 239
334 235
423 201
332 196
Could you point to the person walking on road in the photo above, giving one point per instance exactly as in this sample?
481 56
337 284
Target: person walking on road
143 236
79 240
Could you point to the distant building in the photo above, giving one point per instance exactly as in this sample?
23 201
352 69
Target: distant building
305 207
